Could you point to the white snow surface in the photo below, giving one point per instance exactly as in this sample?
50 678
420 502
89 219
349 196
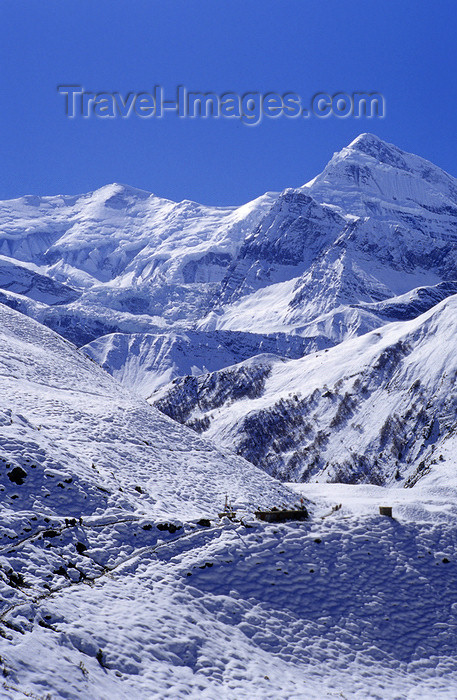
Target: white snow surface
67 416
351 604
110 593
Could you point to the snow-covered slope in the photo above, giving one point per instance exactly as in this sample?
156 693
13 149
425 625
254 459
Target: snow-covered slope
145 362
351 605
112 586
375 408
65 421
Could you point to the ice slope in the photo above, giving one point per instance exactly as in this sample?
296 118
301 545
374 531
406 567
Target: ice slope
144 362
375 408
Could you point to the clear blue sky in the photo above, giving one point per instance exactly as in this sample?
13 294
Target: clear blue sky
405 49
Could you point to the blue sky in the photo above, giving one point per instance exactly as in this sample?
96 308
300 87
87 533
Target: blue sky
406 50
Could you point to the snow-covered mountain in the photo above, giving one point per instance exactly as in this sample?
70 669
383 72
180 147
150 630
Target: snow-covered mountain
156 291
318 260
136 261
314 333
376 224
375 409
145 361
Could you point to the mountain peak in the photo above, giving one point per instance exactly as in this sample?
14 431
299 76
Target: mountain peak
380 150
117 190
370 170
366 140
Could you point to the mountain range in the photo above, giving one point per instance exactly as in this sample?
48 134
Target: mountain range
159 360
196 308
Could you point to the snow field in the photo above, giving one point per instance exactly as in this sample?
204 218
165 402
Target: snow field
360 606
